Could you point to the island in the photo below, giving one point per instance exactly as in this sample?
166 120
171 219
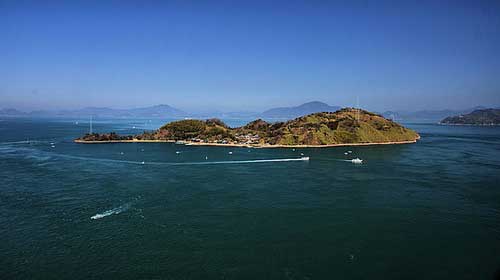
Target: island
345 127
477 117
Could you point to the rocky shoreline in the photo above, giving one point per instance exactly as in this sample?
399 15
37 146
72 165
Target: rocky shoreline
189 143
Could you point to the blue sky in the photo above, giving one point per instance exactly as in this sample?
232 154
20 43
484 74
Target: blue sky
249 55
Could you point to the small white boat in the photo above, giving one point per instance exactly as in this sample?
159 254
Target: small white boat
349 152
304 158
357 161
345 153
177 152
142 162
230 153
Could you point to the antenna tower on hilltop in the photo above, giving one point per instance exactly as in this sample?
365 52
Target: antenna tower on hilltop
357 108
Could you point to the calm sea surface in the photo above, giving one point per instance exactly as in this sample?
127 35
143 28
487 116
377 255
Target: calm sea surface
429 210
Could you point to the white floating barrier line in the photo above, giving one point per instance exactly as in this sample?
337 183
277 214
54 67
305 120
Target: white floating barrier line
104 160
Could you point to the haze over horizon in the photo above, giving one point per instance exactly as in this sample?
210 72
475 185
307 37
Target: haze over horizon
249 56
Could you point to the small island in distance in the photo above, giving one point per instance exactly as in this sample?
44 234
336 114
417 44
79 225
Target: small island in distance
477 117
345 127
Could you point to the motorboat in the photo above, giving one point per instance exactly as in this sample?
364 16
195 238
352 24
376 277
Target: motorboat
357 161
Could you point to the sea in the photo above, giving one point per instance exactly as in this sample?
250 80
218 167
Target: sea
429 210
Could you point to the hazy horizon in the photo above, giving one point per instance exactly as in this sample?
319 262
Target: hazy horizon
230 110
249 56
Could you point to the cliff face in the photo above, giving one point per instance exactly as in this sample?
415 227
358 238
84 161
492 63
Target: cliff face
346 126
477 117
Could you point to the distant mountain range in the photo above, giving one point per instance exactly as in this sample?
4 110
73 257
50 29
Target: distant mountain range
280 113
158 111
166 111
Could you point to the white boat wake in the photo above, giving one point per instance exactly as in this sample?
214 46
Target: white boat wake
244 161
110 212
354 160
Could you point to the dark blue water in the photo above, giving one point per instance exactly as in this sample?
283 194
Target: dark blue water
429 210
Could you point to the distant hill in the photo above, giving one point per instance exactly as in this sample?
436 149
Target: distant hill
301 110
346 126
477 117
11 112
426 115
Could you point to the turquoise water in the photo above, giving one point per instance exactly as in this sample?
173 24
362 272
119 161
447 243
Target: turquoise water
429 210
